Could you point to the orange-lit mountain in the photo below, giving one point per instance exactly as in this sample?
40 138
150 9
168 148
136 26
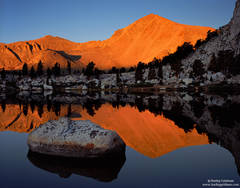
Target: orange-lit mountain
149 37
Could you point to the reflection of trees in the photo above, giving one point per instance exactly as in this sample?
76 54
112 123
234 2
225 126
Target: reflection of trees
31 127
122 103
160 103
176 115
89 105
3 105
185 114
20 104
116 103
69 112
152 105
32 105
49 104
40 109
25 109
226 115
139 103
92 105
97 104
57 108
197 106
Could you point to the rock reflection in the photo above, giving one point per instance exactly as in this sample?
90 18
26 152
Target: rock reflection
103 169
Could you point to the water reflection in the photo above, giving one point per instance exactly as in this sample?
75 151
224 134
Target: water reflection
100 169
150 135
153 125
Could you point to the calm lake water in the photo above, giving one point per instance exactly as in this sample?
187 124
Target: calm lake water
173 140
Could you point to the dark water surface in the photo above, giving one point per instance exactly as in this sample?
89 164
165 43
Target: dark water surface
173 140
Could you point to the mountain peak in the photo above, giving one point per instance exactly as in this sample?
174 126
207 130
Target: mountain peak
59 41
148 37
152 16
51 37
47 37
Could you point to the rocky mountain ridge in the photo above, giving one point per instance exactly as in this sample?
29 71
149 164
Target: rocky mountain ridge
149 37
227 41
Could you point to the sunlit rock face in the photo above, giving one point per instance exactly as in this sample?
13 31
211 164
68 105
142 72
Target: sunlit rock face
149 37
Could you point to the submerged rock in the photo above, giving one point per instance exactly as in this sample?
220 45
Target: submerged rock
68 138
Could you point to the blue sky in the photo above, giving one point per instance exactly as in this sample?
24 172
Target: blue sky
84 20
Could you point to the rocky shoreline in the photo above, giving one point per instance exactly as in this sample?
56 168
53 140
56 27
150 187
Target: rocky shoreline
107 82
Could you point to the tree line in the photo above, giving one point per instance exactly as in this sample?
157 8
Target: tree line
56 70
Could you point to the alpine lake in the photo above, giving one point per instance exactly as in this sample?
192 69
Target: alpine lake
173 140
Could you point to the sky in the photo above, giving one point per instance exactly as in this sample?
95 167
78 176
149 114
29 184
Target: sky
86 20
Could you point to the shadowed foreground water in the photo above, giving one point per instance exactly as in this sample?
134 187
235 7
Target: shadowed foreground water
172 140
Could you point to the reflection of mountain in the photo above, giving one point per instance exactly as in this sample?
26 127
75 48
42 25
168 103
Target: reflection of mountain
100 169
23 119
146 133
149 37
215 115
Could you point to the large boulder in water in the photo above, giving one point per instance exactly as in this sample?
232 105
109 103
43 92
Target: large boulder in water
68 138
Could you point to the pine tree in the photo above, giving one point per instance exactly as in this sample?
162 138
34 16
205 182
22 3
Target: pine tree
114 70
122 70
25 69
131 69
69 67
89 69
151 73
3 74
56 69
160 73
118 79
213 64
139 72
32 72
198 69
3 105
49 72
83 70
40 68
97 72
